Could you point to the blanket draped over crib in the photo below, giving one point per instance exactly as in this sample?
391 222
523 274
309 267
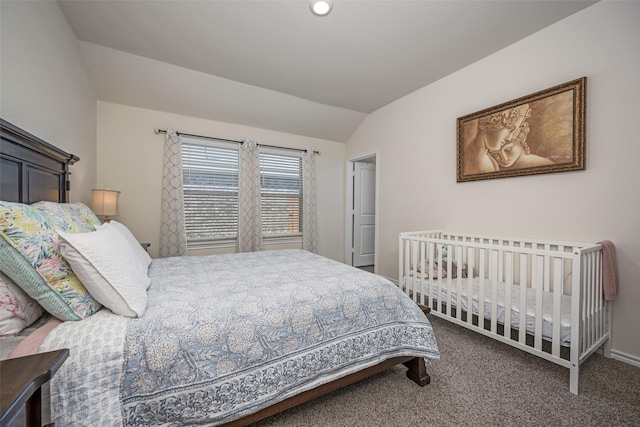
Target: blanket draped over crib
227 335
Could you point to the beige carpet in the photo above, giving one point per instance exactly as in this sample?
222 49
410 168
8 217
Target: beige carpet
480 382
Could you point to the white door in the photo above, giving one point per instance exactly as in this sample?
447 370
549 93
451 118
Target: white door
364 214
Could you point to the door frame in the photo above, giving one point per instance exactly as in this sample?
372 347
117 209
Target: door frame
375 155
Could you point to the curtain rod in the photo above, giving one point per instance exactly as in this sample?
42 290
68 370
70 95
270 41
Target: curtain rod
156 130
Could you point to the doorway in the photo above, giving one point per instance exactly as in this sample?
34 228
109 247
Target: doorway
362 208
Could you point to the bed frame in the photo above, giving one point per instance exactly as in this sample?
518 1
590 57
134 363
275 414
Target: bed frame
557 280
32 170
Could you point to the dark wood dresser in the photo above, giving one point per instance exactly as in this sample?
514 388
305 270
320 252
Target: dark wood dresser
21 380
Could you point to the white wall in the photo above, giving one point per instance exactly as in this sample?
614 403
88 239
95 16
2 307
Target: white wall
416 139
130 157
44 88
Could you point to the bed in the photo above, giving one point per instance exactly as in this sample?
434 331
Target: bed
225 339
543 297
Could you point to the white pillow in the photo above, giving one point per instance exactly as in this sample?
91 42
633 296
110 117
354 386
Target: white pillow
142 256
108 267
17 309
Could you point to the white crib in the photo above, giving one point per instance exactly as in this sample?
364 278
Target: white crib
559 283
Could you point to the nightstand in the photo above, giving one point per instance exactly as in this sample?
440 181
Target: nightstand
22 379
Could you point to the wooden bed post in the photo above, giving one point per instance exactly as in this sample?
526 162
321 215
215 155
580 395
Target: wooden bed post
418 371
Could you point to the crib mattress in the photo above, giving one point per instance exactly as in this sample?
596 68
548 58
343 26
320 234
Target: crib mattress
441 290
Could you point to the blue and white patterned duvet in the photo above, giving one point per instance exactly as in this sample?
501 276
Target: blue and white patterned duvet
227 335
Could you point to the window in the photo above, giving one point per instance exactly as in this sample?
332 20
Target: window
281 194
210 174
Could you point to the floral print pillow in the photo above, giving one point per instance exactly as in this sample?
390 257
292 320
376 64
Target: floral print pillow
17 309
31 231
69 217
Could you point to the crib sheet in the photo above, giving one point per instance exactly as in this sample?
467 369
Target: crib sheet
441 291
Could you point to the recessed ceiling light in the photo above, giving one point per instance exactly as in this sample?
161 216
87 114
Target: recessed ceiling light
321 7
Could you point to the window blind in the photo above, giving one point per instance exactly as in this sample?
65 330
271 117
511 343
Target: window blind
281 194
210 191
210 176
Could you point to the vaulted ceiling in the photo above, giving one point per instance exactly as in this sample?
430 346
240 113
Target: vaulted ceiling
273 64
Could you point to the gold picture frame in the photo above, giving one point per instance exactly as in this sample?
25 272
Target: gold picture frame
539 133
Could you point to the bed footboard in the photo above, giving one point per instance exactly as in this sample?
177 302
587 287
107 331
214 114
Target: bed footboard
416 367
543 297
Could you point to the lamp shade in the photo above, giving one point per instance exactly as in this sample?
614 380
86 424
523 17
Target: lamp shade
105 203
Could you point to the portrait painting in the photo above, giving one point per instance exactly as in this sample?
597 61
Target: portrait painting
539 133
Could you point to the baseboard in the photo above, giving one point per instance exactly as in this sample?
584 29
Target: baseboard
624 357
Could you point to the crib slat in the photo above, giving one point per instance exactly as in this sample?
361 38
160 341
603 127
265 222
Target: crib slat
589 290
586 312
447 282
558 275
453 297
507 293
537 283
597 301
414 263
420 276
470 270
424 284
458 269
586 280
434 282
493 281
592 302
481 276
598 286
435 289
524 288
419 284
547 277
500 271
595 314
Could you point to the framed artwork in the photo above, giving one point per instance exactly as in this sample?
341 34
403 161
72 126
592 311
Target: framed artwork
540 133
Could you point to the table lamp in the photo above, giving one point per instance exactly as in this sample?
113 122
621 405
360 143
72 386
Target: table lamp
105 203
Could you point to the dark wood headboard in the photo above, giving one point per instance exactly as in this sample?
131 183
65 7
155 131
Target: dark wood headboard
31 169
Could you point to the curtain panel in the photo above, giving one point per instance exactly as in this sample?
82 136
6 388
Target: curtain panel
249 211
173 237
309 208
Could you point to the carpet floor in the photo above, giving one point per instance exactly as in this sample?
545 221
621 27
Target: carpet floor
480 381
